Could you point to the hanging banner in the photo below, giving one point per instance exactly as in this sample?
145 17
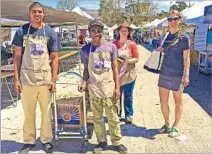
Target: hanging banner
200 39
208 10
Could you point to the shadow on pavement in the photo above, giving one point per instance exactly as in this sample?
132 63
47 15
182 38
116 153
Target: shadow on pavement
200 89
137 131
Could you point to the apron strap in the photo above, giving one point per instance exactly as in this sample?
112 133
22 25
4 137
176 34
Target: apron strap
43 26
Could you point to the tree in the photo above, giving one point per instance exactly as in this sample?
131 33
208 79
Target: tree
110 13
162 15
179 6
137 12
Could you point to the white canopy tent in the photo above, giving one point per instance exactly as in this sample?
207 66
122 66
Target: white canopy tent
82 13
114 27
133 26
160 22
196 10
154 23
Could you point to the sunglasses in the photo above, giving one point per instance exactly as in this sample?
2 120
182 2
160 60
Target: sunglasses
173 19
96 31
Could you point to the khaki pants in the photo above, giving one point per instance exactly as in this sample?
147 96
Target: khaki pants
97 105
29 97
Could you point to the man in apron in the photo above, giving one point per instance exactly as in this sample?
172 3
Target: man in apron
35 43
102 77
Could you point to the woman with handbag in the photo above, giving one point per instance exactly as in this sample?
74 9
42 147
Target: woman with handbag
174 74
128 56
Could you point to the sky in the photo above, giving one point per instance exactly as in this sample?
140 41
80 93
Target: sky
94 4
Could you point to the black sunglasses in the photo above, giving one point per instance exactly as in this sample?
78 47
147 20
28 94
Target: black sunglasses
173 19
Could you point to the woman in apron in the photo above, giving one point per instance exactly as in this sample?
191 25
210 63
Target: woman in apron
128 56
174 74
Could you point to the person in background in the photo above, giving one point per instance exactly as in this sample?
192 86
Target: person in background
82 38
102 77
128 57
174 74
35 43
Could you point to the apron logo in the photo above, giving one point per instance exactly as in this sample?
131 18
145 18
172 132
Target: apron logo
36 49
98 64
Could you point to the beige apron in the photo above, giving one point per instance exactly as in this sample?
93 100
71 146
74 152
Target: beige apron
128 74
101 83
35 67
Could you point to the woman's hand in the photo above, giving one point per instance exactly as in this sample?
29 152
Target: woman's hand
185 81
160 49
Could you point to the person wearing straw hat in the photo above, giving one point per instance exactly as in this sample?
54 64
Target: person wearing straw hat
128 57
174 74
35 43
102 77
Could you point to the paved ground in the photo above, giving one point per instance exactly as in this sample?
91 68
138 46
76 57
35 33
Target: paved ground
141 137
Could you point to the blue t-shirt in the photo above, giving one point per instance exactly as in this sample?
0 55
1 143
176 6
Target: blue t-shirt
184 42
173 64
106 46
52 42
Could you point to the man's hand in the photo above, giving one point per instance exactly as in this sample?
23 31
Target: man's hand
17 86
52 87
82 87
117 94
185 81
160 49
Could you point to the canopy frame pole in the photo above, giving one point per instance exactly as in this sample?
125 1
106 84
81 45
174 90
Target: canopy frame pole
78 49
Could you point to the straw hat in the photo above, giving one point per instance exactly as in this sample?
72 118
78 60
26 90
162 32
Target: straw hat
124 24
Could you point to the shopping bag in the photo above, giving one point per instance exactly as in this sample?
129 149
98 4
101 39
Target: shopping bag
153 64
155 60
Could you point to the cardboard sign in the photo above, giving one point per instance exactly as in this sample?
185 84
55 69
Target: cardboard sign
5 34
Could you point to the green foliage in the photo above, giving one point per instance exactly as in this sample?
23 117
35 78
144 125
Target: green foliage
140 12
179 6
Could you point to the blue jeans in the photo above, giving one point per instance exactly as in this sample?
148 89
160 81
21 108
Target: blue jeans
127 89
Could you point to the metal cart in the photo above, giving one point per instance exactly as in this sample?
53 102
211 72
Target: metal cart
69 121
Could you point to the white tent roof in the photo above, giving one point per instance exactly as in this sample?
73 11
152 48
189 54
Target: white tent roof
154 23
160 22
133 26
12 22
114 26
82 13
196 10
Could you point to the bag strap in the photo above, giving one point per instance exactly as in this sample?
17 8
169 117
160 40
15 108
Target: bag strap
177 37
164 39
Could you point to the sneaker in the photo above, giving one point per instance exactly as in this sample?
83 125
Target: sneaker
100 147
26 148
120 148
48 147
129 120
174 132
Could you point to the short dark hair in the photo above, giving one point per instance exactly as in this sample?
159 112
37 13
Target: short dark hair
35 4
